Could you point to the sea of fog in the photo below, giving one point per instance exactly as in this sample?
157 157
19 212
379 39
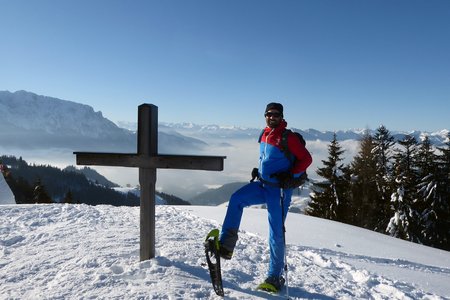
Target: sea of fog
241 157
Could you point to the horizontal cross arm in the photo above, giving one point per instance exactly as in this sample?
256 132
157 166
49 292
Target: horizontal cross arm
107 159
189 162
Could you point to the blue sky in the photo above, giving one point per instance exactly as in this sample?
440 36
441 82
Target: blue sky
333 64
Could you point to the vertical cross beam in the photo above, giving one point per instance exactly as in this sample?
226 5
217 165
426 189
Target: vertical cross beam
148 160
147 146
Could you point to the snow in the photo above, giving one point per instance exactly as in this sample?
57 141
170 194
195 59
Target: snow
62 251
6 195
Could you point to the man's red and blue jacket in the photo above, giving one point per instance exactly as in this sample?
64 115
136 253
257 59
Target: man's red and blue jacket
273 160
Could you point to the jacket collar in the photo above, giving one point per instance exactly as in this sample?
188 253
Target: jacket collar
279 129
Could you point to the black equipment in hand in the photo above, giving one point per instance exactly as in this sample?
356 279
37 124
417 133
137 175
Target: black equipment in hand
255 174
287 181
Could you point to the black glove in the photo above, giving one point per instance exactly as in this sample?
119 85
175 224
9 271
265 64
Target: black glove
283 178
302 179
255 174
287 181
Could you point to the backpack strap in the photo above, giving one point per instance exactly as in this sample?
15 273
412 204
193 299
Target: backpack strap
284 145
260 136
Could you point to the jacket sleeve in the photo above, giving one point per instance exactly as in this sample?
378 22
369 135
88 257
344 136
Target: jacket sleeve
302 155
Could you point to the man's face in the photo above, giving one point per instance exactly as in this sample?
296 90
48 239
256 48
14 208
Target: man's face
273 118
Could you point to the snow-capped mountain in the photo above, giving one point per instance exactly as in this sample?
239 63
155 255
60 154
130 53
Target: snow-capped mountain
30 120
217 131
33 120
30 112
47 130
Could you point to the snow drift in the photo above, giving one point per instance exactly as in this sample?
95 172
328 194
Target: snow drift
79 251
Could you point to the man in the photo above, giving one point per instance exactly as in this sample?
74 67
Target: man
277 176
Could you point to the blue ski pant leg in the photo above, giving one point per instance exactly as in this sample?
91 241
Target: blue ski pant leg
250 194
276 235
287 201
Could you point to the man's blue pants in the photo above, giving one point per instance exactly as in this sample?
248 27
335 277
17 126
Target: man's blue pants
256 193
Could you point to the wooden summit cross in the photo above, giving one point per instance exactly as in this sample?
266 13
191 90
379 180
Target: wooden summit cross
148 160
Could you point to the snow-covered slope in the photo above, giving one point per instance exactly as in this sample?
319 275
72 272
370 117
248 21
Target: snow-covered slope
80 252
34 121
30 120
28 111
6 195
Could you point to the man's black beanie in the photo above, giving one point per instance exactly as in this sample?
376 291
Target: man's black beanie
274 105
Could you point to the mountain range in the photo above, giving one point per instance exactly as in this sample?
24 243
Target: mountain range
34 121
436 138
47 130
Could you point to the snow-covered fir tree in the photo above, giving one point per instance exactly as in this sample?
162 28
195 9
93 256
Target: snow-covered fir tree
383 152
329 198
440 237
404 222
426 161
402 189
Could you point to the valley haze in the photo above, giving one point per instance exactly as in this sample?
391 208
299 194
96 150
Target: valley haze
47 130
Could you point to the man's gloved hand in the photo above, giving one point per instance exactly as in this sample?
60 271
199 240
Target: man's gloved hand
284 179
302 179
255 174
287 181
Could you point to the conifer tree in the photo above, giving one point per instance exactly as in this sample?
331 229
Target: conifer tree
440 237
363 184
404 222
426 164
383 152
68 197
330 197
40 194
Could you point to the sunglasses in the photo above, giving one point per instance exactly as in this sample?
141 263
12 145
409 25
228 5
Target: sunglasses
272 114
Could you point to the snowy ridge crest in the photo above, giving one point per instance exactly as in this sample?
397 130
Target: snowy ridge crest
30 112
24 113
30 120
436 138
